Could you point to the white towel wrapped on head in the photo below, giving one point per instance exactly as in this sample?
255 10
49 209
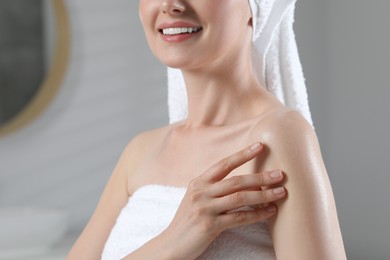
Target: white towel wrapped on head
275 57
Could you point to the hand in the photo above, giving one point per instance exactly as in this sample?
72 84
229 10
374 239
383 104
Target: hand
206 209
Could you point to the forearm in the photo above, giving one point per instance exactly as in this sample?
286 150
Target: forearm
156 248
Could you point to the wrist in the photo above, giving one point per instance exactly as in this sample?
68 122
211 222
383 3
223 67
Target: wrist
165 250
168 248
156 248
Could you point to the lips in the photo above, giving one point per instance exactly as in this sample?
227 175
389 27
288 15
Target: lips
178 31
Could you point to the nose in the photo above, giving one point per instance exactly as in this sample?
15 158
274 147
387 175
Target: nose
173 7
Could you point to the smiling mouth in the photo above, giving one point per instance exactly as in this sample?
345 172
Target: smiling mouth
180 30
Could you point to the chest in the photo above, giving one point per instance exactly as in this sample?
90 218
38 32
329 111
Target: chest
177 162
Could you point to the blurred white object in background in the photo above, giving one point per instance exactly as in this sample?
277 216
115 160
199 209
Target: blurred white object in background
30 231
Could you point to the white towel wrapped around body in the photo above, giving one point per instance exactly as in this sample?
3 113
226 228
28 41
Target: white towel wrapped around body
151 209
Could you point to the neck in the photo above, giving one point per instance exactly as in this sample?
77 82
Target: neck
225 97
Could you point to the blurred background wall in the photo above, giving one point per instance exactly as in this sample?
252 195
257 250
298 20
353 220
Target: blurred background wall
345 55
21 53
115 88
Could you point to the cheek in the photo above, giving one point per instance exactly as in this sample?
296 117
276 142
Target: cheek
228 16
148 11
147 15
143 12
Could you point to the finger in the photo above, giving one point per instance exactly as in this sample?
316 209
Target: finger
245 182
246 198
241 218
221 169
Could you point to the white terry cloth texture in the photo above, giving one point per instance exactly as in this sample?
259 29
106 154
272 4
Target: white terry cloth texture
275 57
151 209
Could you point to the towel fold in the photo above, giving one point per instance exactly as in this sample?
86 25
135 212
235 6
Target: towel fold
151 209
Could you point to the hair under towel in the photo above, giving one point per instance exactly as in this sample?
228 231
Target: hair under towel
275 56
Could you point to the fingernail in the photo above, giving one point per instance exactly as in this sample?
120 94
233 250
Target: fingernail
254 147
271 208
278 191
275 174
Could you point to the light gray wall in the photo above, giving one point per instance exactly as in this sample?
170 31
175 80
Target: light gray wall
64 158
345 54
360 125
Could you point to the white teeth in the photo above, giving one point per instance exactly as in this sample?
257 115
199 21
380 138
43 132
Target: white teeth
174 31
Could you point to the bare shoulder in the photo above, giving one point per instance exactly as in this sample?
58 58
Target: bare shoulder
150 136
292 146
286 124
115 195
140 152
289 139
144 143
285 129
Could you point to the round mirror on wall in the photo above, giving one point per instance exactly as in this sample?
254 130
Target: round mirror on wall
34 49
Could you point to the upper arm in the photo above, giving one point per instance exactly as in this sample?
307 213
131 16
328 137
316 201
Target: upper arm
91 242
306 226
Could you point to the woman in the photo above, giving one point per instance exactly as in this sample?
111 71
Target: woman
184 205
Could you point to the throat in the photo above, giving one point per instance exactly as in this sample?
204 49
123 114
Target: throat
224 110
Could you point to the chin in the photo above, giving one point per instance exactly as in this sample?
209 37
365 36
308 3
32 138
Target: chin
177 59
175 63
